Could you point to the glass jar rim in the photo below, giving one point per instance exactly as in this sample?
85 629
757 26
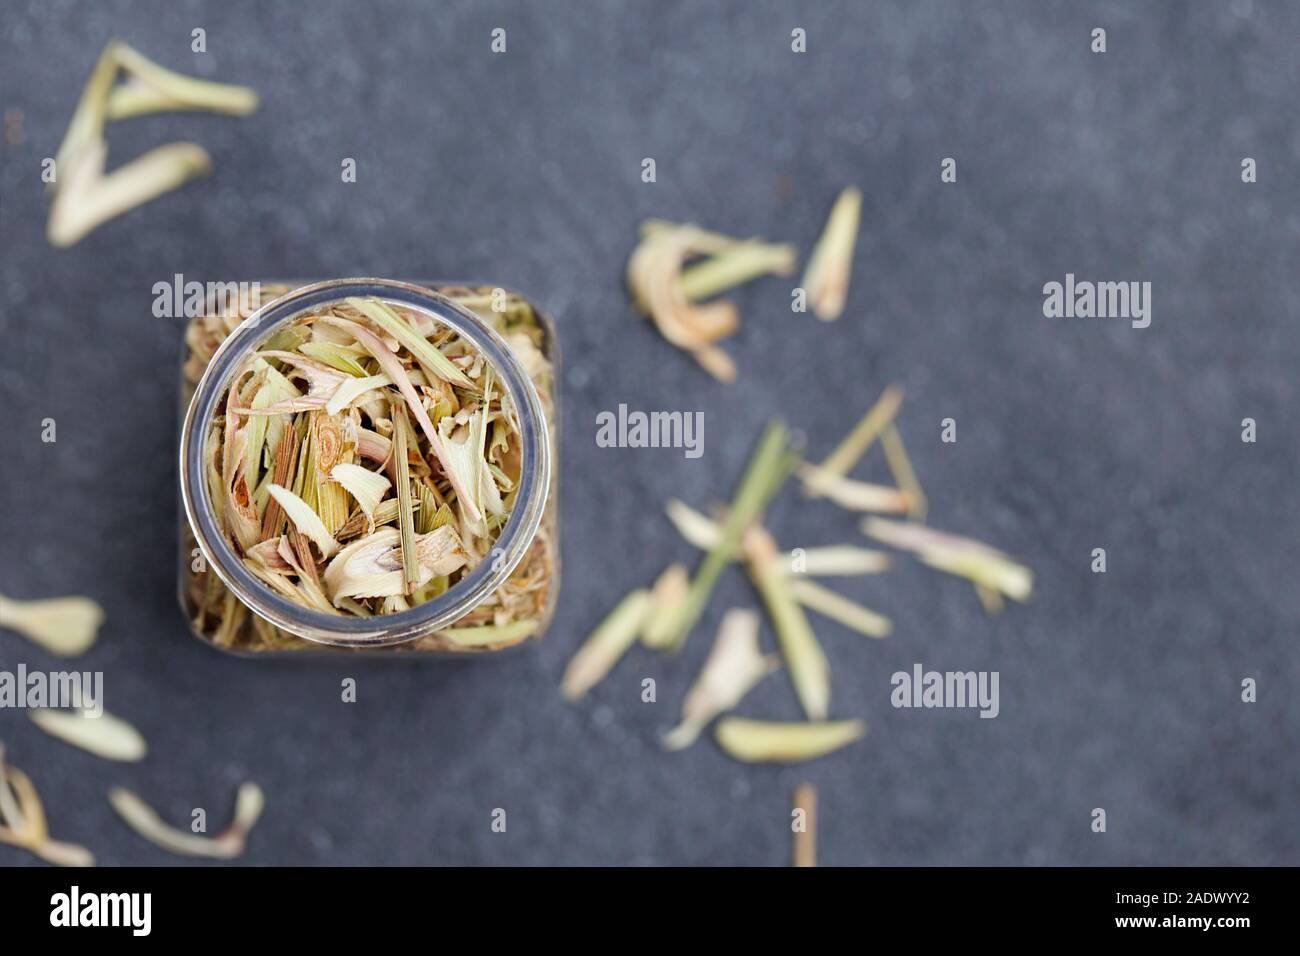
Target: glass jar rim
508 550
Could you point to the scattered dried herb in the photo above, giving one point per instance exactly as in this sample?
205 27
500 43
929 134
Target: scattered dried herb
805 837
669 292
227 845
609 642
839 608
65 626
670 590
804 658
854 495
85 196
826 280
765 741
956 555
891 442
768 468
734 665
855 444
104 736
22 821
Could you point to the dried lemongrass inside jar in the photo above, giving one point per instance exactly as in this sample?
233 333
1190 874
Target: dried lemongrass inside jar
300 414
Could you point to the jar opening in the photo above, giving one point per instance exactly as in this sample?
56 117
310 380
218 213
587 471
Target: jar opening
513 540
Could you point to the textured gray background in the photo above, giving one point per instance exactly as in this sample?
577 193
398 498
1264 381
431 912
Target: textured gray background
1118 691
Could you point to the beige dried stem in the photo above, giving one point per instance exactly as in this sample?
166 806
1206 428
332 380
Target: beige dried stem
804 658
654 277
735 664
104 735
609 642
65 626
227 845
670 589
22 821
764 741
855 444
805 836
826 280
84 196
963 557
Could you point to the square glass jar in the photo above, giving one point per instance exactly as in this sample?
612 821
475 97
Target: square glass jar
506 600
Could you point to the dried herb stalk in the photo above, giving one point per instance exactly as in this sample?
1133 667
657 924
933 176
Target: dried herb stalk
804 659
606 645
853 495
839 608
956 555
65 626
826 280
670 590
22 821
227 845
84 195
855 444
891 442
805 838
767 471
763 741
735 664
104 736
669 292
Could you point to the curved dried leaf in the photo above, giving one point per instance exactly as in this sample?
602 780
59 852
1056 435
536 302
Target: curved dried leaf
65 626
104 736
764 741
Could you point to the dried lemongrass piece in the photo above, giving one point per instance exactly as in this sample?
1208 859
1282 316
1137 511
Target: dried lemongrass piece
487 635
104 735
227 845
393 368
607 643
352 389
853 495
366 486
839 608
654 276
804 658
990 598
304 519
372 566
805 837
22 821
65 626
766 472
735 265
765 741
670 589
842 560
154 87
855 444
956 555
405 514
698 530
826 281
891 443
426 353
90 198
734 665
84 197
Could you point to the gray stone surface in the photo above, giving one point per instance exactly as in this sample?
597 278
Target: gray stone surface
1119 691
